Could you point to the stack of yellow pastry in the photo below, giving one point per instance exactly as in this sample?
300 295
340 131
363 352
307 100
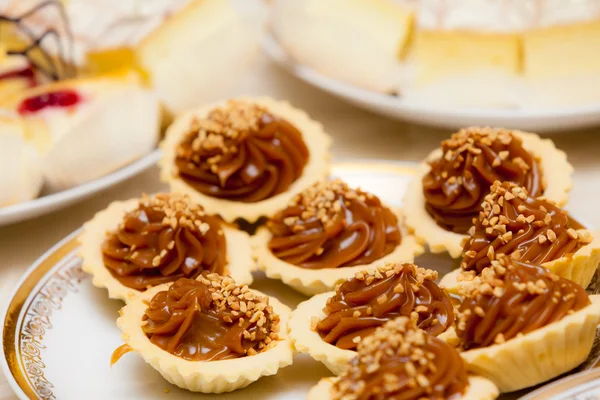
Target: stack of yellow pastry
457 53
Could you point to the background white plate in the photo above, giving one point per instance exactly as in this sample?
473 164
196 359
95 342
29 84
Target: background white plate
55 201
539 120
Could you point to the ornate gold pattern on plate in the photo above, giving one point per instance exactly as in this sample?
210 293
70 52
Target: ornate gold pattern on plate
37 320
25 365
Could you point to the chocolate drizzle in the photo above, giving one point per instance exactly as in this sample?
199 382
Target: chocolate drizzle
373 297
52 67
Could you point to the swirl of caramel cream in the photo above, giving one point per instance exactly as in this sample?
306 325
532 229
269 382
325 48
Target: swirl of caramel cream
510 298
373 297
241 152
330 225
210 319
472 160
401 362
513 223
165 238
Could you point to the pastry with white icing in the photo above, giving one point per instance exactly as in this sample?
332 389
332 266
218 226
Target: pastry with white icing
86 128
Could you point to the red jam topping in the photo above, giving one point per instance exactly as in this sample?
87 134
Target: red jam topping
59 98
26 73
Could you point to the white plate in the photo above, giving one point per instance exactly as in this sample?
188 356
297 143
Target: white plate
538 120
59 330
55 201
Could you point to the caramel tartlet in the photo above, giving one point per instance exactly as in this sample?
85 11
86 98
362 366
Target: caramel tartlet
140 243
330 325
208 335
448 189
243 158
329 232
531 230
520 325
400 361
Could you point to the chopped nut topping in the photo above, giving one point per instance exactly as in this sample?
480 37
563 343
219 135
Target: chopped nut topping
322 201
512 292
510 215
179 211
399 343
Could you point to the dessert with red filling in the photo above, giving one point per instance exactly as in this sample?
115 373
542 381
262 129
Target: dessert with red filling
209 335
55 99
87 128
515 318
400 361
329 232
243 158
329 326
446 195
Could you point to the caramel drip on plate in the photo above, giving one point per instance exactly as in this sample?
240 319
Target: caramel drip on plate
371 298
241 152
511 299
401 362
165 238
330 226
210 319
513 223
119 352
472 160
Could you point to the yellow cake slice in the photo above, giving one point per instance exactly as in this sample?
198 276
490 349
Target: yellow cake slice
356 41
467 53
562 63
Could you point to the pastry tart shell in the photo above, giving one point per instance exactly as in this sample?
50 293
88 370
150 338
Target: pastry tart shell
204 376
578 267
306 340
556 177
539 355
314 281
239 252
479 389
316 168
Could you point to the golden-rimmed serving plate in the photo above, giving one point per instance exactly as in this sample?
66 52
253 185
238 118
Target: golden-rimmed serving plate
59 331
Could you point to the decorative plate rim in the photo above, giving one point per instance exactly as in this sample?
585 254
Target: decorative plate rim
10 363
